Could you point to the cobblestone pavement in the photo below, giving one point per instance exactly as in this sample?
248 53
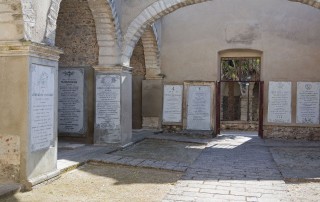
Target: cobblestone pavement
232 168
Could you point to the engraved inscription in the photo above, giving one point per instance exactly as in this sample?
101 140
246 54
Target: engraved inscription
279 105
199 108
108 101
172 103
308 102
42 107
71 100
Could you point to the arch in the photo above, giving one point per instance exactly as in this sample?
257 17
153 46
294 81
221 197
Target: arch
150 43
147 17
107 29
313 3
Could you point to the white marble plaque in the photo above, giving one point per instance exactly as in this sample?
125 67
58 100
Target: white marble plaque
42 107
71 101
199 108
279 104
308 102
108 101
172 103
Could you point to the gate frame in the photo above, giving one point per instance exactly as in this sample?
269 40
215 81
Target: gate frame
218 106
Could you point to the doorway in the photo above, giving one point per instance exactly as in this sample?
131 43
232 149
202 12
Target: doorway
239 95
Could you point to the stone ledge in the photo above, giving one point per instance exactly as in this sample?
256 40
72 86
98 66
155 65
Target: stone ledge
144 163
16 48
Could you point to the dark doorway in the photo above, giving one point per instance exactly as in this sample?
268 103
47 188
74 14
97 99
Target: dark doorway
240 95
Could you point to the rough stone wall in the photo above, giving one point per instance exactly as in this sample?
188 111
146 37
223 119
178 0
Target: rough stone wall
9 156
76 34
137 61
292 132
138 74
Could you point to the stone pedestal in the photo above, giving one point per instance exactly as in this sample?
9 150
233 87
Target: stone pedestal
113 105
152 98
28 115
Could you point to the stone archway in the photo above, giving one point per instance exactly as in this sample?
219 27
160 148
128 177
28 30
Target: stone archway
107 29
158 10
148 16
150 43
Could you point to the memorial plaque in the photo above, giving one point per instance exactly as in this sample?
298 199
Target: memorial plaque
108 101
42 107
71 101
279 105
172 103
199 108
308 102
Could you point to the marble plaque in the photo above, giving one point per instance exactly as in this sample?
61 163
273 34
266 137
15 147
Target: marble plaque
71 101
108 101
42 107
308 102
172 103
199 108
279 104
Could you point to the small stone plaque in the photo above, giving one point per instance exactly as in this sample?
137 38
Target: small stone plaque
71 101
172 103
279 105
108 101
308 102
42 110
199 108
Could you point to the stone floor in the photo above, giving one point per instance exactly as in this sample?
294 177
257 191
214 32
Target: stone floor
235 166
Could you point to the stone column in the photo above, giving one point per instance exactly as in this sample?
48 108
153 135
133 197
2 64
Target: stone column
152 99
113 105
28 115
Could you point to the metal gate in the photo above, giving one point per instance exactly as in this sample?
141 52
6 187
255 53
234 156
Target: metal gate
254 110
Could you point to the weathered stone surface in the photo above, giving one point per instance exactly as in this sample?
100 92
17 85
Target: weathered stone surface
9 156
292 132
76 34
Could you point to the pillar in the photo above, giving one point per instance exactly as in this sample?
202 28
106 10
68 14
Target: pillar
28 115
152 99
113 105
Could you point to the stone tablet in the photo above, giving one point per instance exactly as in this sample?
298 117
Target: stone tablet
108 101
42 107
308 102
71 101
199 108
172 103
279 104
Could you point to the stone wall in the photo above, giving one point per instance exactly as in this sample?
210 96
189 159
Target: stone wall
76 34
9 156
291 132
137 61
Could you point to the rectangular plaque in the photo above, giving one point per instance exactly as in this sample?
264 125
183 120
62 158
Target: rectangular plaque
199 108
172 103
308 102
71 100
108 101
42 106
279 105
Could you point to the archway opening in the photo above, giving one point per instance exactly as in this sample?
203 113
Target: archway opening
76 36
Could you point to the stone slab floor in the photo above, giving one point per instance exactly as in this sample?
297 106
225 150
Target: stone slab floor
232 167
